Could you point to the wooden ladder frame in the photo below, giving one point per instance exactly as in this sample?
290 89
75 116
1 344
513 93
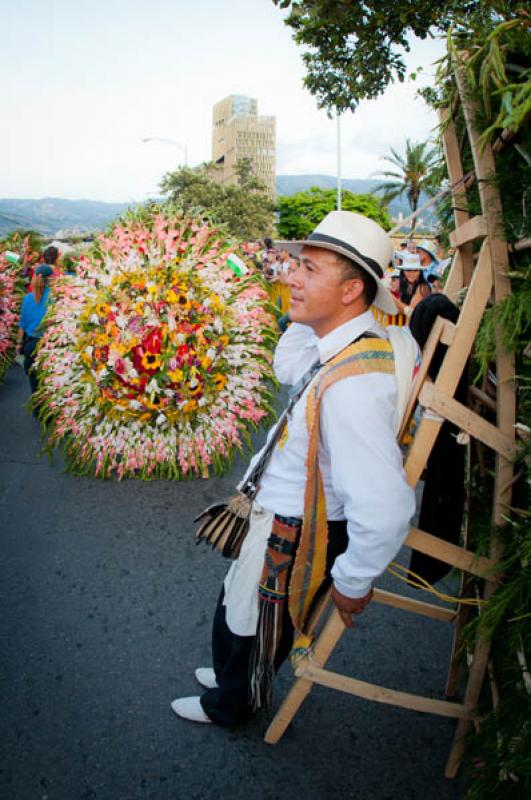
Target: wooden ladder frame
485 281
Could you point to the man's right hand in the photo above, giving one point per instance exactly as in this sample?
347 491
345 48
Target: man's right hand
347 606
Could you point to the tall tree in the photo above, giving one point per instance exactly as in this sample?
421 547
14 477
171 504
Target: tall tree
357 49
301 212
413 173
244 207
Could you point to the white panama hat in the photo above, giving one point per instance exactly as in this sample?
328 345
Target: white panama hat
361 240
410 261
429 248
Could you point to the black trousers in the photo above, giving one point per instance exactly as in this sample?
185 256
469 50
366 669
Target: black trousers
28 351
229 704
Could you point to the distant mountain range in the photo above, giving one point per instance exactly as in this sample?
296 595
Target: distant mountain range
50 215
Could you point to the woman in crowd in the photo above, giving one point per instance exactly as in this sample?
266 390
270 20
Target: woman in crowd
34 308
413 285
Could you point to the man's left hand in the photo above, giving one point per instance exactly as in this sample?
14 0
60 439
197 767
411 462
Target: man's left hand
347 606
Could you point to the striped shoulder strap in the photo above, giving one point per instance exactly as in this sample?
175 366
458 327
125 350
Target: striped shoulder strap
366 355
369 354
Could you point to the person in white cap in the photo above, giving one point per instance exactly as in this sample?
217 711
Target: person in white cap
333 504
413 285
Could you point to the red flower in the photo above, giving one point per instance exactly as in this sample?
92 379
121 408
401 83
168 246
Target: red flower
153 342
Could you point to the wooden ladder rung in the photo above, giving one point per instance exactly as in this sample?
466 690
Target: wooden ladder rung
414 606
379 694
469 231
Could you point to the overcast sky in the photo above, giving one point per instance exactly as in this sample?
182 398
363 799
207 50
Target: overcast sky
84 81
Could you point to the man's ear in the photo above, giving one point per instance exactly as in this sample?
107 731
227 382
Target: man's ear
352 290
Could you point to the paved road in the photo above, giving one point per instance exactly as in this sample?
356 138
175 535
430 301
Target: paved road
106 604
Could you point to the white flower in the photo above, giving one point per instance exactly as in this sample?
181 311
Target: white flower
153 387
95 319
161 419
211 353
218 325
135 405
121 321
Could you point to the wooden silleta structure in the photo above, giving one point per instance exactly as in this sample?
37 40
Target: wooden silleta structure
482 281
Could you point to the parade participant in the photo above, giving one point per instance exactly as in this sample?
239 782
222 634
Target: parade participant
436 284
428 258
394 283
348 467
413 285
268 245
397 258
34 308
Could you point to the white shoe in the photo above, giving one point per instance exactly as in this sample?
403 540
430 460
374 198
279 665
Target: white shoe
206 677
190 708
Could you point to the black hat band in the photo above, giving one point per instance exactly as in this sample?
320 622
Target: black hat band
322 237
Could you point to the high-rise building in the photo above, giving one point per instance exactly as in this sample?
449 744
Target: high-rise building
238 132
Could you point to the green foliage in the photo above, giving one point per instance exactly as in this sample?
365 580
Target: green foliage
243 208
513 317
355 50
497 757
498 762
500 70
302 211
413 173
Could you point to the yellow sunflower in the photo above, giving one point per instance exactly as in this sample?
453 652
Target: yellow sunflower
220 381
183 302
151 361
190 406
153 404
176 375
195 389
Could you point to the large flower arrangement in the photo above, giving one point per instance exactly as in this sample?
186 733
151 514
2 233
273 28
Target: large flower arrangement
156 356
10 299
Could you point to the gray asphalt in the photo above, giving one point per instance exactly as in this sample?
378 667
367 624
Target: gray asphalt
106 605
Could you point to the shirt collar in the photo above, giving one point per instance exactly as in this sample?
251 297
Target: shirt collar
331 344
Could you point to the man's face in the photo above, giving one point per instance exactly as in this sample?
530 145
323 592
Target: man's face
320 296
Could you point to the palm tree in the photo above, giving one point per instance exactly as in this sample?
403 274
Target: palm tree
413 174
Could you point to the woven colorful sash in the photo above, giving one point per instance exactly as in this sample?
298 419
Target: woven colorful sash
302 559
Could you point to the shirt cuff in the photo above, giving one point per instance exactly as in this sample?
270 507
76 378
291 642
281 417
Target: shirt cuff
360 589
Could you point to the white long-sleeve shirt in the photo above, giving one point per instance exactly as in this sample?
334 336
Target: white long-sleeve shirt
359 458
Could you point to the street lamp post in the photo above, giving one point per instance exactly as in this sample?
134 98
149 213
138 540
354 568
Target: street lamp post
338 139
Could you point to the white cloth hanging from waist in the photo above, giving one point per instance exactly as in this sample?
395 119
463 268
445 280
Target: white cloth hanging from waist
243 577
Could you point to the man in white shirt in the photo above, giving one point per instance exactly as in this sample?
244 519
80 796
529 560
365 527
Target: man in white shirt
338 279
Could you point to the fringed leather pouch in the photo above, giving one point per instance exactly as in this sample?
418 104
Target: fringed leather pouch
224 525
